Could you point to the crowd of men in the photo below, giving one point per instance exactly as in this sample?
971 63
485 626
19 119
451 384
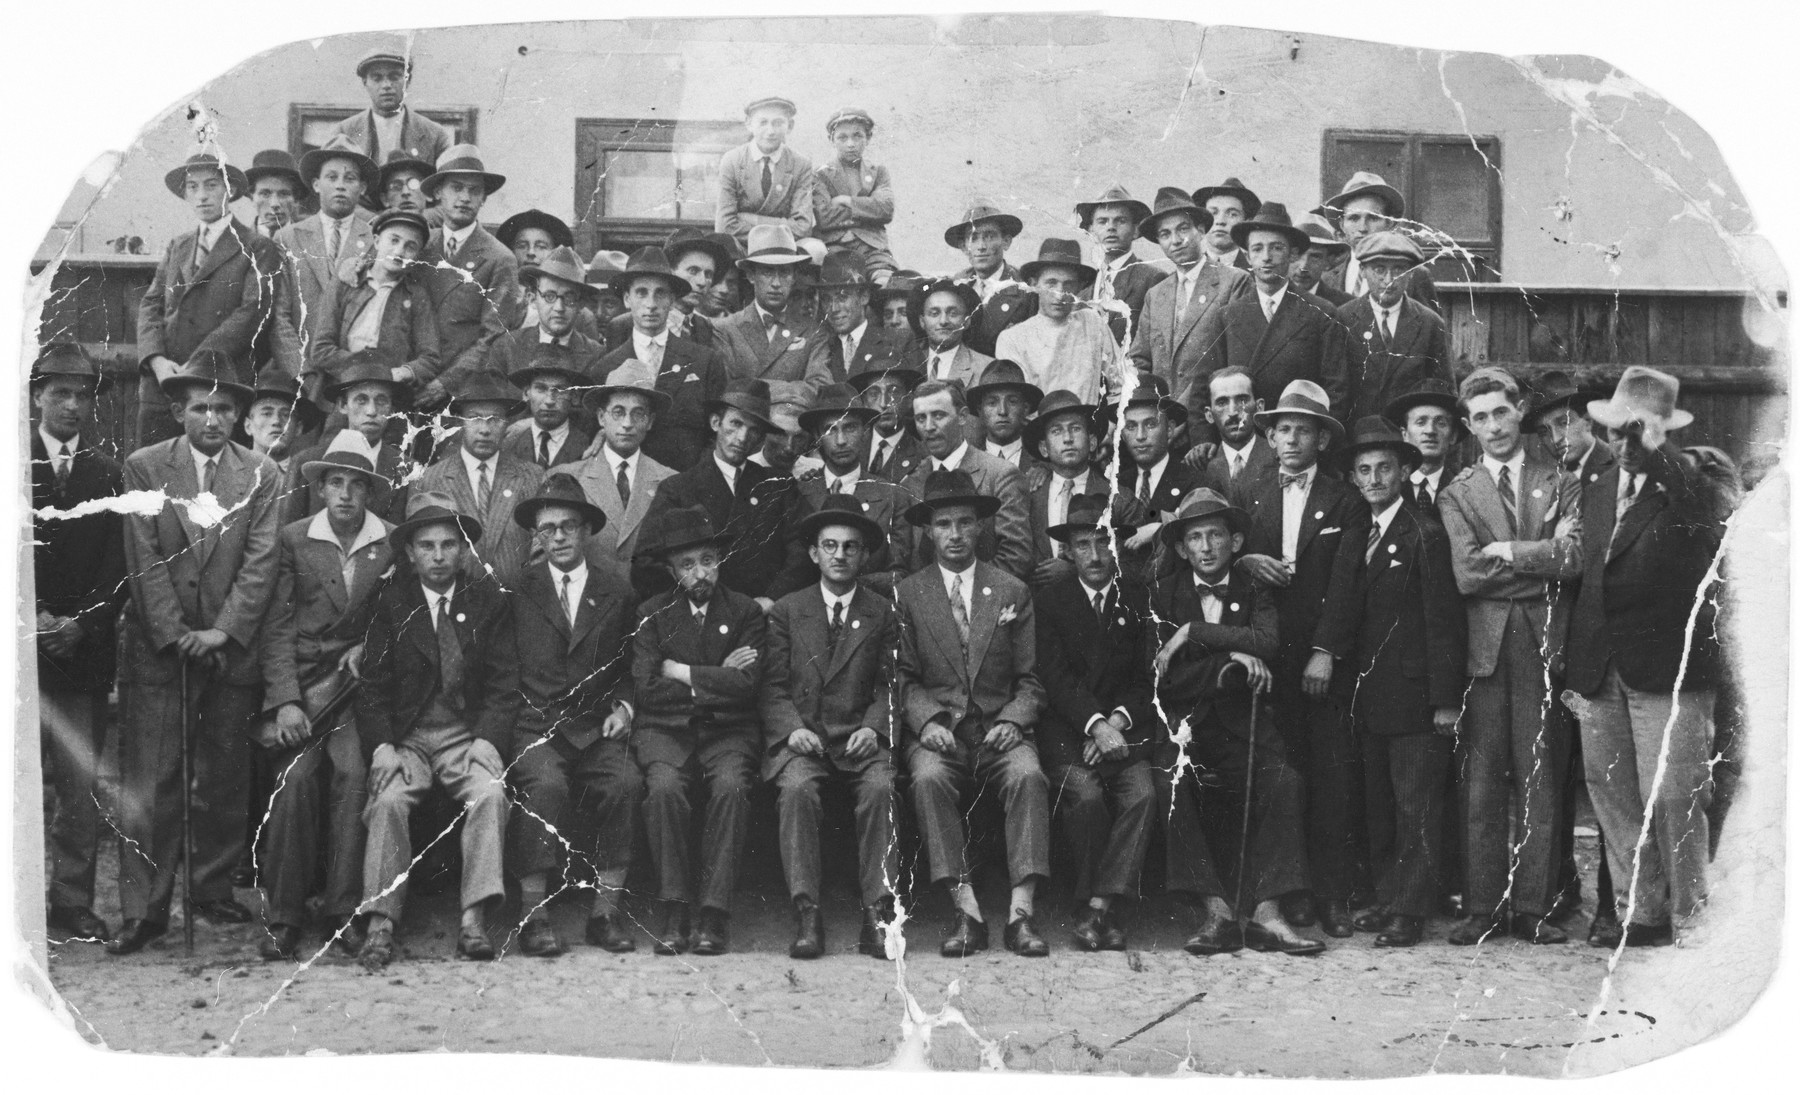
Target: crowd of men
1212 571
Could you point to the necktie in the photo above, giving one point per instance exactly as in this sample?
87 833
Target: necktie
1144 486
1422 491
1292 480
653 357
768 177
1507 500
450 657
1387 325
836 629
834 486
849 349
1631 491
1374 538
207 475
1186 296
879 464
484 490
934 369
201 248
544 447
337 240
1062 500
64 461
1268 305
568 598
960 611
624 484
1100 606
1237 465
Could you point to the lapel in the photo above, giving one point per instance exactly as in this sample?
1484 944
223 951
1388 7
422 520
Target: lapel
540 589
322 560
458 475
587 614
373 560
1635 520
1203 287
1409 328
942 623
1278 331
184 485
1485 493
508 474
643 492
182 256
417 623
859 623
982 621
1319 500
356 298
1401 532
227 248
1537 495
603 489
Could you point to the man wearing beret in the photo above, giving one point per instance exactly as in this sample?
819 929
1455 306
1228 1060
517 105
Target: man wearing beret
764 181
853 200
389 125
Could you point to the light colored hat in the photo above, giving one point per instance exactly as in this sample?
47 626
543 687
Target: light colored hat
772 245
1643 393
1303 397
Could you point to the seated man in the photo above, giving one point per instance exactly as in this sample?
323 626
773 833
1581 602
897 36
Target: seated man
842 427
571 742
697 666
1063 345
941 417
773 337
439 698
853 200
1215 630
1097 725
764 182
827 703
970 695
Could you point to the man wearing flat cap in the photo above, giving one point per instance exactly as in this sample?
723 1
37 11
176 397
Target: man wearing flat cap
474 278
486 482
1112 220
982 234
380 300
764 182
767 339
1367 205
389 125
322 245
1392 342
853 200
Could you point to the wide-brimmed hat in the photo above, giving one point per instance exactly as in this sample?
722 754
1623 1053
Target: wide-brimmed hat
833 402
844 270
548 359
431 508
1554 389
1302 397
1055 252
915 299
549 224
68 359
815 251
1321 234
1147 391
1367 183
400 216
208 369
604 266
338 148
681 528
342 460
367 366
272 383
1201 503
235 183
899 284
849 114
1171 200
653 263
1273 217
772 245
462 159
843 509
912 378
1388 245
1375 432
1087 511
749 396
1059 402
487 387
401 160
950 487
1112 195
563 264
1430 391
776 101
275 161
1230 188
630 375
788 400
1643 393
381 55
559 489
1000 375
722 248
979 211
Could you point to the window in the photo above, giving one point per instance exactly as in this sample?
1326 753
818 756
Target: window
308 123
638 178
1451 184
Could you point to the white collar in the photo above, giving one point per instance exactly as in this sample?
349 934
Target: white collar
454 238
1079 479
578 575
1010 452
640 340
730 473
1306 476
1155 471
1274 298
1386 516
200 461
432 598
968 577
1088 591
1516 463
614 460
856 336
558 435
763 315
1119 263
473 465
1244 452
1432 477
372 530
53 447
209 233
545 338
846 482
833 599
955 459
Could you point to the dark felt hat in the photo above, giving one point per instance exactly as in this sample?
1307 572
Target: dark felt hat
1086 511
559 489
338 148
272 383
1554 389
431 508
401 160
1376 432
1171 200
723 249
1147 391
833 402
1055 252
844 270
912 378
899 284
1056 403
551 225
680 529
1000 375
68 359
552 360
235 183
1273 217
1230 188
843 509
1201 503
208 369
749 396
368 366
275 161
915 300
947 487
653 263
1112 195
982 211
487 387
1430 391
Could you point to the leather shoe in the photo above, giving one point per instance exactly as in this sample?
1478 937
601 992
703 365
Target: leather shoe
134 936
1605 932
77 924
1649 935
1402 931
1297 909
279 943
1371 920
226 911
1537 930
1471 930
1334 918
876 920
243 876
537 939
473 943
672 938
967 936
1090 933
608 933
809 932
1114 938
1215 935
712 937
377 949
1260 937
1022 939
346 935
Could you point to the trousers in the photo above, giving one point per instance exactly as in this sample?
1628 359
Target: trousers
942 783
72 724
553 782
874 804
309 804
471 770
1105 814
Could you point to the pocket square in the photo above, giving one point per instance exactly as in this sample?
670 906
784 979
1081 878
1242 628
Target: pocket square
1392 563
1008 614
1329 531
691 378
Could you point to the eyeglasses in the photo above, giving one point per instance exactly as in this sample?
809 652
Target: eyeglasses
568 528
635 416
554 298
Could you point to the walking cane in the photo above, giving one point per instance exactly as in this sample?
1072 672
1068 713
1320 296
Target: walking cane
1243 863
187 825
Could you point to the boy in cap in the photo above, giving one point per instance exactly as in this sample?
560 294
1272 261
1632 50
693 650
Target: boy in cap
1064 345
842 426
320 246
1393 343
485 481
381 301
853 201
1062 434
1001 298
769 338
764 182
473 277
696 666
389 125
1112 220
1367 205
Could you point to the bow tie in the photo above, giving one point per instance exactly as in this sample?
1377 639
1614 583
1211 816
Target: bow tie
1215 591
1292 480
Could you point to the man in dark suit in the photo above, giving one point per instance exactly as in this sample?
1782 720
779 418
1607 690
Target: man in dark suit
620 477
706 263
1366 205
549 436
1406 693
1244 454
940 417
1393 344
79 571
572 624
826 703
1307 532
1644 655
1002 400
1308 268
1514 521
970 696
199 590
893 450
1098 724
389 125
697 666
1228 204
486 483
437 706
1277 333
1063 437
940 310
367 397
1430 419
558 288
330 568
1152 480
1001 297
858 344
842 426
763 341
1112 220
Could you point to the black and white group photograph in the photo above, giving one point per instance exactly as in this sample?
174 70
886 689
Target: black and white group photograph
1061 542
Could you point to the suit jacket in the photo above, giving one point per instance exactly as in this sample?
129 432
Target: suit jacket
504 545
1544 563
1049 483
743 204
522 444
187 576
613 547
420 137
401 674
1151 563
1131 284
515 349
1331 295
1412 635
1319 607
759 517
788 351
79 564
1419 285
1005 537
409 327
698 329
1199 685
883 503
966 364
222 306
879 347
571 677
298 499
832 692
691 376
1007 306
1642 577
313 618
1172 349
1382 371
871 194
314 274
477 299
1305 341
907 453
1092 666
995 682
1259 468
673 719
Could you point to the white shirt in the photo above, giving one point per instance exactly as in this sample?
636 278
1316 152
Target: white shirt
390 132
1212 608
968 587
1387 318
1429 478
730 473
614 462
343 226
851 341
940 361
1185 283
210 233
1353 279
1155 472
953 461
842 484
1058 513
558 437
985 287
545 338
1272 301
372 531
642 343
1103 288
454 238
1236 460
473 467
577 584
832 600
1293 511
431 602
200 462
1010 453
763 316
1517 464
53 448
365 331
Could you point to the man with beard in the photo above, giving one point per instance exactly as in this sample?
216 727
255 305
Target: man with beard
892 452
1003 536
473 277
327 242
940 310
763 340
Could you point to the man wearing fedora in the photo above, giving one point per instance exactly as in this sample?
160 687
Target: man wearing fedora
1277 333
366 394
79 570
705 262
857 345
380 300
1152 480
1063 436
275 186
1393 343
1367 205
485 482
696 667
1327 250
1244 455
560 294
853 200
1098 725
621 478
1405 694
764 183
1165 345
762 340
894 450
1430 419
329 568
1066 344
1112 220
279 421
389 125
688 374
940 417
532 235
842 426
571 744
318 247
473 277
548 435
1003 400
1306 540
787 449
199 591
438 705
970 698
1515 524
1228 204
1644 657
827 714
1001 298
940 310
